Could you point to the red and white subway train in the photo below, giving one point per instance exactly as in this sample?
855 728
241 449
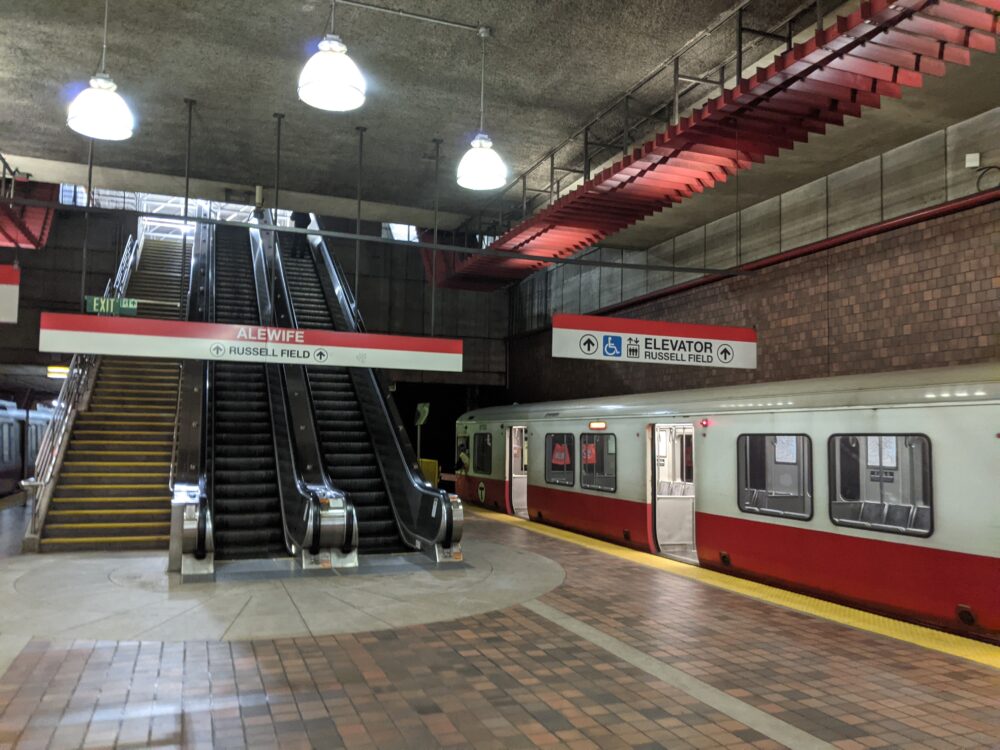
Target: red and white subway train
881 491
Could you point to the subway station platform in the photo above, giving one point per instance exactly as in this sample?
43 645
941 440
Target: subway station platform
541 639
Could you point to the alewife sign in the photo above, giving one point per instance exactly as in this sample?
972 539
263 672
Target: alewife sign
652 342
10 288
172 339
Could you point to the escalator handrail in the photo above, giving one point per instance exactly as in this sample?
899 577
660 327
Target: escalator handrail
302 482
415 502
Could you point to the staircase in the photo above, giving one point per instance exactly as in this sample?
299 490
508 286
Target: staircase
160 281
112 492
348 455
247 511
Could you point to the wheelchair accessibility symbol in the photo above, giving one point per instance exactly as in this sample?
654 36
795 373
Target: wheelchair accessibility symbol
612 346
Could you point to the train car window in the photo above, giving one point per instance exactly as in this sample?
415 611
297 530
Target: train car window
6 443
775 475
881 483
559 458
598 462
482 453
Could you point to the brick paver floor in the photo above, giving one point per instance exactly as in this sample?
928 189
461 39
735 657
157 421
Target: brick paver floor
619 656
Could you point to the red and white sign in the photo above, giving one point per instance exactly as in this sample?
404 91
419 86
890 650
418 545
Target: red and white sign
10 289
171 339
652 342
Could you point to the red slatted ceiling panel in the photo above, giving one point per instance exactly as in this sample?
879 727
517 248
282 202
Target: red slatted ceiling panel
28 226
874 52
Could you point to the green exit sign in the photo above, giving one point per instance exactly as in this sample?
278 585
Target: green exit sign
111 305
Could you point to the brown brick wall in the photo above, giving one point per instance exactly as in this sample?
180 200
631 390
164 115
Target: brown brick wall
927 295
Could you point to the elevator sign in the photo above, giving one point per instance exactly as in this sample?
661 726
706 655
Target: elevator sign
652 342
172 339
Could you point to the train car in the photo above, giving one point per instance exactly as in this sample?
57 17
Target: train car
20 437
880 491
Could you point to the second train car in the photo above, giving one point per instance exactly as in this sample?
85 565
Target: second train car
880 491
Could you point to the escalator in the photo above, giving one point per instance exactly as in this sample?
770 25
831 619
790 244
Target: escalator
365 451
348 455
246 502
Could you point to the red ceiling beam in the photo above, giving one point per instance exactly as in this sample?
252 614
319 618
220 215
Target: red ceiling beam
877 51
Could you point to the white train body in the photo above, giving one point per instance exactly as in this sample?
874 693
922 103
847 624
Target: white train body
879 490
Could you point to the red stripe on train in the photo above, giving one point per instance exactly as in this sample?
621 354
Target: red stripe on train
621 521
495 493
917 582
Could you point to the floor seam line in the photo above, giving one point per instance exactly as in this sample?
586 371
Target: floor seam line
753 717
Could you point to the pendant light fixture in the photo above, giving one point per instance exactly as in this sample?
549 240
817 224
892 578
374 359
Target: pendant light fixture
99 110
482 168
330 79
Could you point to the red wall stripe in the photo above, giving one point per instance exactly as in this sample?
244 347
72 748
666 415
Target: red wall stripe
652 328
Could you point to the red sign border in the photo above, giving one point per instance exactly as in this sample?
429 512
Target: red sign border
567 321
76 322
10 275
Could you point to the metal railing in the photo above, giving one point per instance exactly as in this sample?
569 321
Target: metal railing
8 179
621 124
74 397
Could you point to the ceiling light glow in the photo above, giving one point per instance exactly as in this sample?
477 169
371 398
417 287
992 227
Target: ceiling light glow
482 168
331 80
100 112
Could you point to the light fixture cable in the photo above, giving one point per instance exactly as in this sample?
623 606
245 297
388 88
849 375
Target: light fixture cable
104 42
483 33
333 17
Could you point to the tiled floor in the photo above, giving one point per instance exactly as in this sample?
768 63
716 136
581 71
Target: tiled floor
618 655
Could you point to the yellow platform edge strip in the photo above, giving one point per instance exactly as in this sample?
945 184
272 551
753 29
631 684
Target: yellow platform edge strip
918 635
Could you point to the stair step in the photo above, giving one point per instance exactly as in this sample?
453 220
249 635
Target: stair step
105 543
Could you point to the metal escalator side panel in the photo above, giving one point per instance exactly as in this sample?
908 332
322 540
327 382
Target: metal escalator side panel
354 472
424 513
315 513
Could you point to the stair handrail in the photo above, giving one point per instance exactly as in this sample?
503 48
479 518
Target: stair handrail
428 517
74 397
315 515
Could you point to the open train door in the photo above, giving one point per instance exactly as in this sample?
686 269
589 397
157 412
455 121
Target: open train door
673 490
517 470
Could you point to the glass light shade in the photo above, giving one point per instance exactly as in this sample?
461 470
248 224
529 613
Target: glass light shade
330 79
100 112
482 168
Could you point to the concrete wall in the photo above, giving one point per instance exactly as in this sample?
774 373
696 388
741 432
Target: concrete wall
916 175
50 278
927 295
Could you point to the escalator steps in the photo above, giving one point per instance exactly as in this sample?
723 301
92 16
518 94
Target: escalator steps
247 521
347 449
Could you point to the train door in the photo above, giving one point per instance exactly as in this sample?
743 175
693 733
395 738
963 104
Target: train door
517 470
674 490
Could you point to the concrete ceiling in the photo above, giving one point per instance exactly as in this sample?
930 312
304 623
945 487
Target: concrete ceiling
18 381
550 66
